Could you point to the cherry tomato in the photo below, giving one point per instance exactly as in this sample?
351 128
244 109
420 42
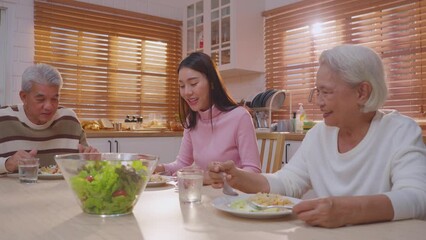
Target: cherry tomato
119 192
90 178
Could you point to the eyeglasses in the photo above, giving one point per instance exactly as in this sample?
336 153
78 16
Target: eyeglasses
316 93
312 94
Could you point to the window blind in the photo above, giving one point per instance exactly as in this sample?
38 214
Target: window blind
296 34
114 62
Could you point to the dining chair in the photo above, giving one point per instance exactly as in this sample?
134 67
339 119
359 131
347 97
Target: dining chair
271 149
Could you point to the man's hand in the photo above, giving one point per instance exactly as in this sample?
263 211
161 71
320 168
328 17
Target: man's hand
88 149
12 162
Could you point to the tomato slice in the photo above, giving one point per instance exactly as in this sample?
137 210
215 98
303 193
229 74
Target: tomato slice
90 178
119 192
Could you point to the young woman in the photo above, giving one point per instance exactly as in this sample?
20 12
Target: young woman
216 128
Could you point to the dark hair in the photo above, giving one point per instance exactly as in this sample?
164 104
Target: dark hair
219 96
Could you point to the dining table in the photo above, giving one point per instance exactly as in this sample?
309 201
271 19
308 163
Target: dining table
48 210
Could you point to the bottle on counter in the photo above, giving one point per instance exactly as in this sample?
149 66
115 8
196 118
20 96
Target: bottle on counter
300 118
293 123
139 122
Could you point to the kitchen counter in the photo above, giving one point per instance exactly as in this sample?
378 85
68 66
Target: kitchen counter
114 134
153 133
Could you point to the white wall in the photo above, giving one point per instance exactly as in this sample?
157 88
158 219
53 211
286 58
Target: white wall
18 42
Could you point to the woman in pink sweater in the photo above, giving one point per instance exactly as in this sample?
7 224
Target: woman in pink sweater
216 128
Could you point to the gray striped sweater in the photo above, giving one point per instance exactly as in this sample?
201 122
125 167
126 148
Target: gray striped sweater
60 135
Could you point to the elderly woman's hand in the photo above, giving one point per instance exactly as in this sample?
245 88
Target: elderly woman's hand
332 212
237 178
216 171
319 212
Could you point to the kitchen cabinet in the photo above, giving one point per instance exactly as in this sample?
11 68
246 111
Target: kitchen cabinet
166 148
291 147
230 31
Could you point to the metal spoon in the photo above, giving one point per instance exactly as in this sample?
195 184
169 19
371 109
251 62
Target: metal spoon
228 190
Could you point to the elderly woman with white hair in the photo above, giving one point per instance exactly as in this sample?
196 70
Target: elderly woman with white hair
364 164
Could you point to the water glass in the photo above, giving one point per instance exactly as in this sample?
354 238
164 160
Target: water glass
190 182
28 170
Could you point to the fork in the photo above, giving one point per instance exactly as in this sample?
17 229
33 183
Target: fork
258 206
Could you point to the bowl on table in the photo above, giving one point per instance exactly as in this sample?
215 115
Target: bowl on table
107 184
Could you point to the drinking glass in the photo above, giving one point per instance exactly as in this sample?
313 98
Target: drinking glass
28 170
190 182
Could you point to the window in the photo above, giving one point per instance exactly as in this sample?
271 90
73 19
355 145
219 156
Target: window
114 62
296 34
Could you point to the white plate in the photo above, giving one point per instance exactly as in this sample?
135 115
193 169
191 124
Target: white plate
48 176
42 176
165 180
224 204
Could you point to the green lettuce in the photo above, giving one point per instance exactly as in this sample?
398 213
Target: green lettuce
108 187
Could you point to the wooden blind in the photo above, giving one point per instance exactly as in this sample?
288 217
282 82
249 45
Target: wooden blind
296 34
114 62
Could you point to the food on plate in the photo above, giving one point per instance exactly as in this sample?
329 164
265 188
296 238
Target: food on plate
263 199
105 187
51 169
267 199
157 178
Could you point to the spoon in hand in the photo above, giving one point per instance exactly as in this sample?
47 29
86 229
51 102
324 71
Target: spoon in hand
228 190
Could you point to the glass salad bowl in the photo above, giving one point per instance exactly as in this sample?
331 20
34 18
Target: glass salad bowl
107 184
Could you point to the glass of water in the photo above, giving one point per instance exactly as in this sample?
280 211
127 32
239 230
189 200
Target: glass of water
28 170
190 182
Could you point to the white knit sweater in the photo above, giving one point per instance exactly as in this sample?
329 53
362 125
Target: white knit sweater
391 159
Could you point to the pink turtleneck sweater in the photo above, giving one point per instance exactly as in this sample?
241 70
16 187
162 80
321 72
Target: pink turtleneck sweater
233 137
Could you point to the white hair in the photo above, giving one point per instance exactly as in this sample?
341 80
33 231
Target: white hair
40 73
356 64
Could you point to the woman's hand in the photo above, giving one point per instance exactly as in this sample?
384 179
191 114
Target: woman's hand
159 169
237 178
318 212
332 212
216 171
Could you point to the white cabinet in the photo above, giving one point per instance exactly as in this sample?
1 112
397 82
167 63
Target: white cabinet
166 148
230 31
290 149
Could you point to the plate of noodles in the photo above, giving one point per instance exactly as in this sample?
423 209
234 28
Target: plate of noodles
157 180
50 172
238 206
45 173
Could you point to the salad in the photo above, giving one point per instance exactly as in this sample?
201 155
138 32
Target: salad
108 187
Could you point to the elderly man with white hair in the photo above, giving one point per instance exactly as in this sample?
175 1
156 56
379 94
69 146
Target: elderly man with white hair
39 127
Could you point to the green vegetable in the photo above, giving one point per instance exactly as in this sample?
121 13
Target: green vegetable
108 187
